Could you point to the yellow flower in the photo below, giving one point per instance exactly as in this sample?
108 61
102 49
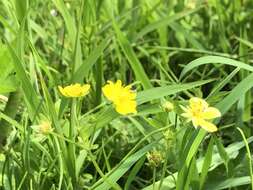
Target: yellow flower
126 107
199 112
75 90
122 97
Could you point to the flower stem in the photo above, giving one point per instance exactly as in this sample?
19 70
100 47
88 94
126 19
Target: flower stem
164 167
72 134
154 177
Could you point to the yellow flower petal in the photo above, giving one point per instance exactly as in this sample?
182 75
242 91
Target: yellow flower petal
74 90
198 112
186 115
211 113
122 97
119 83
208 126
185 109
85 89
62 91
198 103
195 122
112 91
126 107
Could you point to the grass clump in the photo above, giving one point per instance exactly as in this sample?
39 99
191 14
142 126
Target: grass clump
114 94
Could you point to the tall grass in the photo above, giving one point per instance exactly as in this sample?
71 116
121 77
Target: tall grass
170 50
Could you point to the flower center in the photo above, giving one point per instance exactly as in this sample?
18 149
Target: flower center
196 112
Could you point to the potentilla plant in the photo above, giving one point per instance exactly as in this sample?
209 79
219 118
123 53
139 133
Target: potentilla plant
175 113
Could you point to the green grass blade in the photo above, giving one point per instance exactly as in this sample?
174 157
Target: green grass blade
232 151
191 39
30 94
83 70
159 92
124 167
222 151
214 59
230 183
132 58
164 22
132 175
248 155
245 85
68 19
207 162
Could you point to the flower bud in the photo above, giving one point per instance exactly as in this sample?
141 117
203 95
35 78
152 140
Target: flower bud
167 106
155 158
43 128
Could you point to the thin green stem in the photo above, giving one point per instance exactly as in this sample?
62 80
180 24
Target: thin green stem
94 109
114 186
248 155
154 177
69 140
72 134
164 167
136 146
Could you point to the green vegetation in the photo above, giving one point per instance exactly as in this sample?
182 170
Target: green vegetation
169 50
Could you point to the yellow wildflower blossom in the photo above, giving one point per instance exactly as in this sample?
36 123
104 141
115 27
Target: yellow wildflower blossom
199 112
75 90
126 107
122 97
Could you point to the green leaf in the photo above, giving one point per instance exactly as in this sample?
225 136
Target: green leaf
83 70
232 151
8 81
30 94
222 152
68 19
248 155
189 37
132 58
122 168
159 92
164 22
189 152
207 162
8 84
214 59
134 172
245 85
229 183
21 9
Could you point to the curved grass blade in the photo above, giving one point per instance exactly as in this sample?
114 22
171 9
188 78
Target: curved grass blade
214 59
235 94
248 155
229 183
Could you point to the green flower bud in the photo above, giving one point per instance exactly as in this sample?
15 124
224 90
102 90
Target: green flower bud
167 106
